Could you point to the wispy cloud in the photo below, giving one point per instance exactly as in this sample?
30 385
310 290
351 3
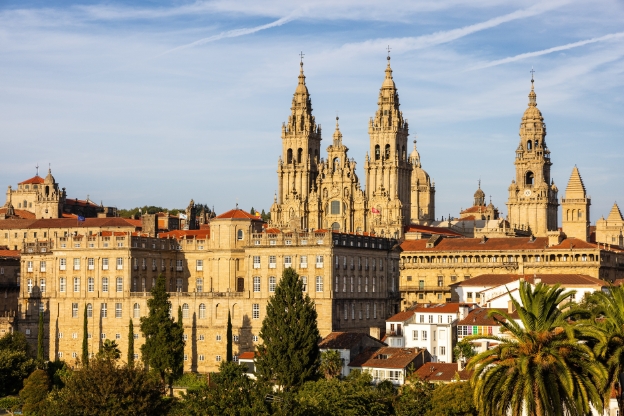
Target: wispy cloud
233 33
567 46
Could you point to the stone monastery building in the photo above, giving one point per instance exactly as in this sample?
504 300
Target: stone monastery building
364 251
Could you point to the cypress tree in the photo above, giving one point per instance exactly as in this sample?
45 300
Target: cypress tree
85 341
228 353
163 350
131 344
40 339
289 353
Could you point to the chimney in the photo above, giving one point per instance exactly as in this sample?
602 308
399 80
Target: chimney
510 307
149 224
375 332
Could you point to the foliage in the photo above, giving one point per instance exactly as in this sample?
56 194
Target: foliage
35 392
463 349
265 217
352 396
539 367
14 341
105 389
109 350
453 399
192 381
331 364
230 392
85 341
40 350
131 344
414 398
10 404
58 372
163 350
289 354
131 212
228 335
15 366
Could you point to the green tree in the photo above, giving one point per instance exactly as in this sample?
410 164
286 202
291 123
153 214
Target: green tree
331 364
539 366
35 392
163 350
228 334
10 404
106 389
40 350
453 399
230 392
463 349
14 341
252 211
131 344
289 354
15 364
85 340
607 336
109 350
414 398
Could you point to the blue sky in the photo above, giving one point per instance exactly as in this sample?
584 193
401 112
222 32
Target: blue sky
156 103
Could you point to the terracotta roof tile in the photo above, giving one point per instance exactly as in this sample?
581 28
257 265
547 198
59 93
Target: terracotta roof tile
10 253
475 208
68 223
479 317
493 244
402 316
250 355
441 372
363 357
394 358
79 202
35 179
343 340
188 234
431 230
549 279
238 214
20 213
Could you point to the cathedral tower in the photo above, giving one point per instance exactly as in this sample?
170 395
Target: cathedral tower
575 208
532 203
422 203
388 170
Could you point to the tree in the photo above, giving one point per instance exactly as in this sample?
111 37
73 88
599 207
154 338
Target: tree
289 354
35 392
15 364
109 350
414 398
10 404
331 364
131 344
40 350
230 392
228 334
607 335
539 367
14 341
453 399
106 389
85 340
163 350
463 350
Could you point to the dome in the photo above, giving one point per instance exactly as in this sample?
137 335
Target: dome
420 175
388 82
479 194
49 178
301 86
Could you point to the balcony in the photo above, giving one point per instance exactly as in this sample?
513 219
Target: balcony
256 265
91 267
29 270
319 265
62 267
303 265
272 265
287 265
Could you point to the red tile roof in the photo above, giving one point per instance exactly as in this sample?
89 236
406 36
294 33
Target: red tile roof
238 214
402 316
343 340
68 223
188 234
549 279
398 358
20 213
250 355
80 202
35 179
442 372
494 244
415 228
475 208
450 307
10 253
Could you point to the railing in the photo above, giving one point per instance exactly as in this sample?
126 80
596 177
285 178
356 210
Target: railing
425 289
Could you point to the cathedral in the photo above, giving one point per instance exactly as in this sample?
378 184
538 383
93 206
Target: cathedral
325 193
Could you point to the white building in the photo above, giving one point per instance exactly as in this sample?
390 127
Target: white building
392 364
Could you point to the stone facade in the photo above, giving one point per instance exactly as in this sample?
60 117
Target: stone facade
610 231
575 208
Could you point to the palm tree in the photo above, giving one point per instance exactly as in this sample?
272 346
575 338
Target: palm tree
538 367
606 331
109 350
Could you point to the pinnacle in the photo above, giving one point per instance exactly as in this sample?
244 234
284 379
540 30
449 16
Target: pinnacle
575 188
615 214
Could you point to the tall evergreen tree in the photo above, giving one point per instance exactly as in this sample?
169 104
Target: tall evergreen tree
40 352
85 341
289 353
228 334
163 350
131 344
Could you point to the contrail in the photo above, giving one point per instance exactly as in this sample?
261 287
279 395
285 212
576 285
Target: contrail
232 34
549 50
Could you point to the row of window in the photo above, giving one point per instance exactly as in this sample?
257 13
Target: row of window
496 259
362 283
272 283
303 262
351 263
364 311
424 335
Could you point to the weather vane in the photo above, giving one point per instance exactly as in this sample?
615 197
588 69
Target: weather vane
532 71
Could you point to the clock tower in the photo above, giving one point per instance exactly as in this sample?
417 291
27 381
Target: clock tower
533 203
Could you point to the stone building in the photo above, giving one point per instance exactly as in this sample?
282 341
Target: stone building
610 231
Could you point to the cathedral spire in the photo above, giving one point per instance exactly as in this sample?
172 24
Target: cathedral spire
337 135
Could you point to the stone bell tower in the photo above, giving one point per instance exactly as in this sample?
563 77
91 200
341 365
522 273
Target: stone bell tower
532 203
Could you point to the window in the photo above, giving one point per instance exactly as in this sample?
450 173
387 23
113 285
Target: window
119 263
374 284
287 261
272 262
201 357
30 285
104 310
199 265
104 264
202 311
415 335
185 357
440 281
185 311
235 338
89 310
272 283
346 312
117 310
442 350
304 283
42 266
335 207
199 285
218 337
62 264
255 311
120 284
74 310
201 337
76 284
424 335
374 311
430 319
368 311
304 262
62 284
319 262
469 295
90 284
366 284
351 280
218 358
90 263
359 284
254 338
105 284
319 283
352 311
136 311
117 336
256 262
256 284
179 284
239 234
185 337
76 264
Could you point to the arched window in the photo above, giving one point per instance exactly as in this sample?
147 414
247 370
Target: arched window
289 156
536 144
202 311
89 310
529 178
185 310
47 190
377 152
336 226
580 214
387 152
239 234
336 163
529 145
136 311
299 155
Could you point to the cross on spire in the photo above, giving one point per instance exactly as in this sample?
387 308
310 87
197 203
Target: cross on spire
301 55
389 49
37 167
532 71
